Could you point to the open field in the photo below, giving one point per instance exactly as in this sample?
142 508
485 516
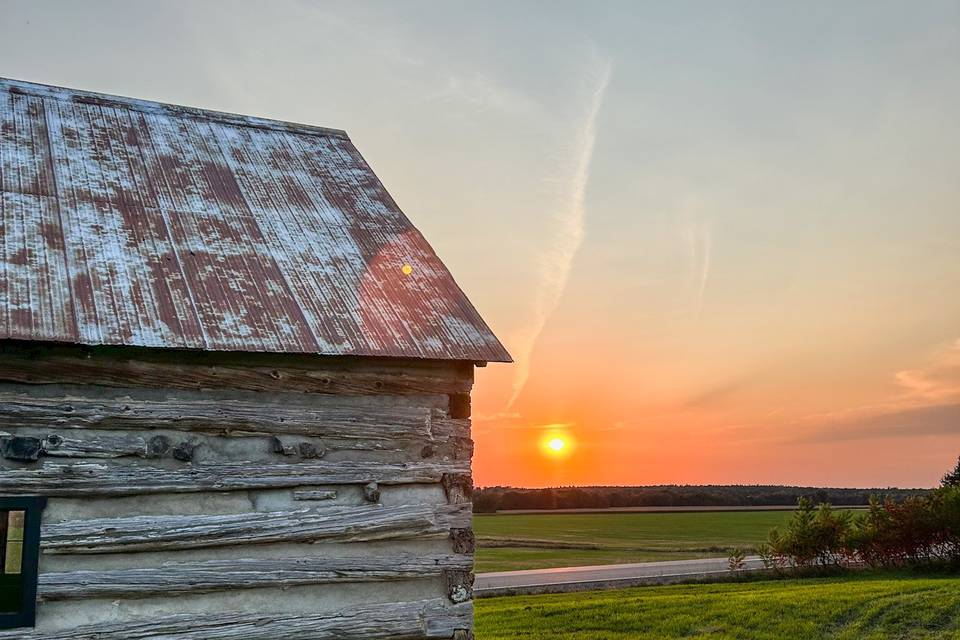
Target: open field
513 542
861 606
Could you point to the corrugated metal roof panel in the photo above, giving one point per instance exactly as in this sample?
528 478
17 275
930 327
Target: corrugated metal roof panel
125 222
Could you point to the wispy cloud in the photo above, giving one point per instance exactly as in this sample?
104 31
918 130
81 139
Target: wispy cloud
567 234
696 235
927 403
482 93
501 416
519 424
935 420
936 383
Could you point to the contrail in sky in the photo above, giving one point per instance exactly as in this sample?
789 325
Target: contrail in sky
707 244
697 238
703 243
557 259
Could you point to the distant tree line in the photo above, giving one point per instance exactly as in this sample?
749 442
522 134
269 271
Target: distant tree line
492 499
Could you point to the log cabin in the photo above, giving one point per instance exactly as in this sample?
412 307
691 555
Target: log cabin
234 383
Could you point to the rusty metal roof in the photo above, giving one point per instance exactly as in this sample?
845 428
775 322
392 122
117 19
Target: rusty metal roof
125 222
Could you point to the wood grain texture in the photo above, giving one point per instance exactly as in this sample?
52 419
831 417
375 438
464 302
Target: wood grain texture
313 494
84 444
221 415
363 523
134 367
182 578
123 479
420 620
202 448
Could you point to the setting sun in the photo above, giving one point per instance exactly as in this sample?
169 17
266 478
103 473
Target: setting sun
556 444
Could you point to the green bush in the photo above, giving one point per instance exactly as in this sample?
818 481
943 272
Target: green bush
902 533
919 530
737 560
812 536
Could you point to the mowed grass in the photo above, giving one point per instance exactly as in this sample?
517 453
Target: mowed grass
861 607
615 538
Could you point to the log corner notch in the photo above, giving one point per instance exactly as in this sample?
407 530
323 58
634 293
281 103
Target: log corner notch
459 405
458 487
464 540
459 585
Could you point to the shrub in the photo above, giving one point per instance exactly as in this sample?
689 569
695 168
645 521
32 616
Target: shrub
737 560
812 536
770 560
900 533
914 531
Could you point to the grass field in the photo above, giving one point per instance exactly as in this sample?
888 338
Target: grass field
511 542
861 607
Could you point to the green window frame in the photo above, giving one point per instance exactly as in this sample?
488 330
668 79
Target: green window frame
19 558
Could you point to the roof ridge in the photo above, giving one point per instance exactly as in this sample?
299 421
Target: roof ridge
67 94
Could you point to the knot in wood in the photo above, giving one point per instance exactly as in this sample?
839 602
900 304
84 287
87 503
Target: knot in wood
183 451
158 446
371 492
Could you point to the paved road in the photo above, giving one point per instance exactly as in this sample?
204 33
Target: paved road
602 576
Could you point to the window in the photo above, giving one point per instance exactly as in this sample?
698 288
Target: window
19 554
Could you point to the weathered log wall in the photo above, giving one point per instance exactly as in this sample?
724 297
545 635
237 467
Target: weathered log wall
296 496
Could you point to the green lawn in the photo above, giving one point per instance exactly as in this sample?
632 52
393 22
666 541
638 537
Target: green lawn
857 607
510 542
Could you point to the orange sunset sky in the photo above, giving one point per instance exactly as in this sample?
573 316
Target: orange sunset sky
721 240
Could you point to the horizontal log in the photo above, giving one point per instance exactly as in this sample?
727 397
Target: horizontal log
249 372
362 523
454 434
214 413
444 428
182 578
32 443
109 478
85 444
421 620
311 494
